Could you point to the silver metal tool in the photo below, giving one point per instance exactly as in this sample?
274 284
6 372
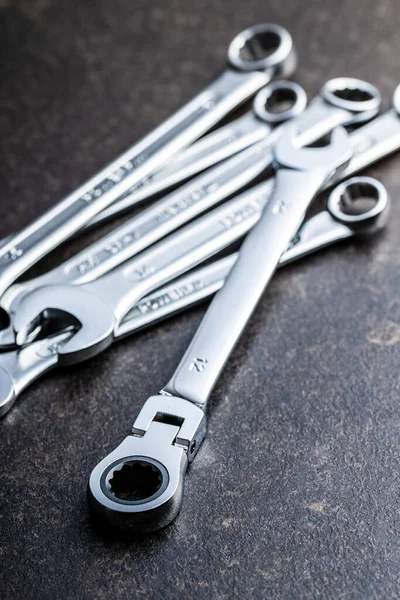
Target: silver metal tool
277 102
376 139
341 101
324 229
327 110
19 368
301 174
256 55
96 309
152 224
140 484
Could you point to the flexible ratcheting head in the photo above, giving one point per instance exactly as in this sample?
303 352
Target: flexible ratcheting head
139 485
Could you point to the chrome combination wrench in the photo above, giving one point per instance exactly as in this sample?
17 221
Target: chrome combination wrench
140 484
325 112
259 176
19 368
256 56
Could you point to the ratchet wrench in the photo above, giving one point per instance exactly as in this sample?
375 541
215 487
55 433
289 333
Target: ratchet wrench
19 368
255 55
140 484
326 111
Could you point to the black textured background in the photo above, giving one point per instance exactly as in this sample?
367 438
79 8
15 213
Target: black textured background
295 492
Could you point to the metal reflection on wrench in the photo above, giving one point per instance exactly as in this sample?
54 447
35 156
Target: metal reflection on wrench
217 146
170 427
275 56
322 230
19 368
158 220
341 101
326 111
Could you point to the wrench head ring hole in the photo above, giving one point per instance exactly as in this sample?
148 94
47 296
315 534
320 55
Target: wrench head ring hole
134 480
260 47
358 200
47 323
279 101
354 95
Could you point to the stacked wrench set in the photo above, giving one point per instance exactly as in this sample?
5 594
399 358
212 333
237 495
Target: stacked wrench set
253 178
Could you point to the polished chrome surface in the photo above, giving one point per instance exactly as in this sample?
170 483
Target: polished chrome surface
195 197
301 174
220 329
205 110
324 113
324 229
96 308
19 368
215 147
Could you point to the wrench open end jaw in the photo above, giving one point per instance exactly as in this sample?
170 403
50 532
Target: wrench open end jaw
289 154
94 316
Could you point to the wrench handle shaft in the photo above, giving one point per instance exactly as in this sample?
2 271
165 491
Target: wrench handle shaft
71 214
181 251
316 233
232 307
207 152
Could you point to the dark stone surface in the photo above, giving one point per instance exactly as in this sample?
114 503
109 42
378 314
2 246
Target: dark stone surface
295 493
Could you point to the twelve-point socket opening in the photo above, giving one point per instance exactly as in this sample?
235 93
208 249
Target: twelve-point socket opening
134 480
360 202
353 94
359 97
261 45
281 100
358 197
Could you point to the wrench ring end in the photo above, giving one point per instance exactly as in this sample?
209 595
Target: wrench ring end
368 221
273 42
288 91
359 97
136 469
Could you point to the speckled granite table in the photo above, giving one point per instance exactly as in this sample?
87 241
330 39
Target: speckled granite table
295 493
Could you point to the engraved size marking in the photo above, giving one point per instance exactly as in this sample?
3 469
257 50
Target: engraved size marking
145 270
280 207
198 364
87 265
121 243
157 302
12 254
185 202
247 211
49 351
101 256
